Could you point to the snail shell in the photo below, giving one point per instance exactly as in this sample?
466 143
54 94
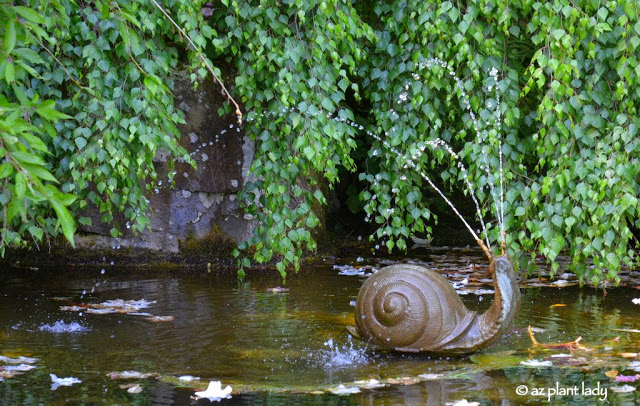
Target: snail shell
410 308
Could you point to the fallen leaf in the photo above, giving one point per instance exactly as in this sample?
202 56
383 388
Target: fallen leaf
559 305
536 363
91 310
73 308
19 368
430 377
159 319
406 380
277 289
132 375
627 330
568 361
18 360
344 390
214 392
463 402
622 389
370 384
571 344
57 382
627 378
135 389
611 374
628 354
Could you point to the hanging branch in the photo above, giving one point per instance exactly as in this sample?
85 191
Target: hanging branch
224 89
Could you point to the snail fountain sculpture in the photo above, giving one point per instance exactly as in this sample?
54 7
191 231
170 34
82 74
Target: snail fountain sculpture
410 308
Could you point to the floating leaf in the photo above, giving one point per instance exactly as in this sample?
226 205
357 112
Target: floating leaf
623 389
627 378
536 363
611 374
131 387
132 375
214 392
344 390
57 382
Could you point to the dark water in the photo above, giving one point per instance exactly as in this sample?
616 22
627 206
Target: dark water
292 347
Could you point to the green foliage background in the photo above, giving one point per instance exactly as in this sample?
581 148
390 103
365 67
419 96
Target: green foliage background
85 106
85 81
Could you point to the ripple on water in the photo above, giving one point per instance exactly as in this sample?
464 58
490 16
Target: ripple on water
60 327
346 356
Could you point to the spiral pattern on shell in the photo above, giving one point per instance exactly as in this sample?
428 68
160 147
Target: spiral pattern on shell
409 307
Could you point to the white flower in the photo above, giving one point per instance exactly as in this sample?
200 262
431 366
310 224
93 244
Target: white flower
636 300
214 392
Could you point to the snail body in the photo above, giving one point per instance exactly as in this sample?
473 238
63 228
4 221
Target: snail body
412 309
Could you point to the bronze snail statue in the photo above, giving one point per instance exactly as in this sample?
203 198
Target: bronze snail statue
411 308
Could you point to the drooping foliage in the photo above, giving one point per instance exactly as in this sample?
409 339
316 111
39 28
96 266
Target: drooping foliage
569 92
85 106
300 54
80 82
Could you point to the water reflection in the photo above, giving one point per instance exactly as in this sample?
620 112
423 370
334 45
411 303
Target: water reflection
264 343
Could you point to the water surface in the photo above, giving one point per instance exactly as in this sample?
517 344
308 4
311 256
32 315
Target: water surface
279 346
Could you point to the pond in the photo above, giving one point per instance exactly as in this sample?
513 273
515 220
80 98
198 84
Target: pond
276 343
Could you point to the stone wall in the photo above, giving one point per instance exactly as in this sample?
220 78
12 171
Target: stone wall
202 201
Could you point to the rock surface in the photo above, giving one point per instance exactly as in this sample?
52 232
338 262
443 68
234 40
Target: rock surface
202 202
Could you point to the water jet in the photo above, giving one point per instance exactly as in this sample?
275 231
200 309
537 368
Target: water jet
410 308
